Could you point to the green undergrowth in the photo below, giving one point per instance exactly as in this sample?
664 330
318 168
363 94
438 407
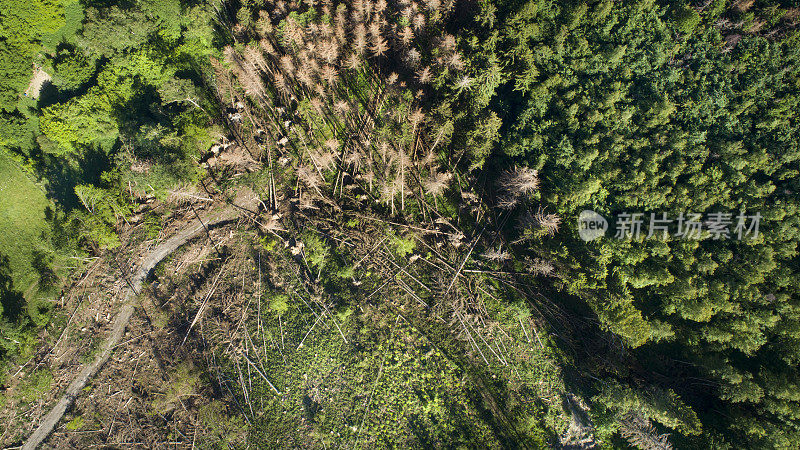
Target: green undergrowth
387 386
382 370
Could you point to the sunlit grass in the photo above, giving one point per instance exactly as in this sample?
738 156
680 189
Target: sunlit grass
23 228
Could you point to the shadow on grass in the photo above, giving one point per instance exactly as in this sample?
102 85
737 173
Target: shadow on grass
12 303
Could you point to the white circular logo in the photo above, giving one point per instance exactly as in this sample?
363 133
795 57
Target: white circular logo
591 225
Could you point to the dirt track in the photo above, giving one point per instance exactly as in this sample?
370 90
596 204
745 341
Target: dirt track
38 80
134 283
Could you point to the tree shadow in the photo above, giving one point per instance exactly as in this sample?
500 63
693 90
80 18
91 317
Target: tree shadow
12 302
62 176
41 262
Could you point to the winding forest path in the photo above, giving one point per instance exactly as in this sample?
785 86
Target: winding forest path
134 284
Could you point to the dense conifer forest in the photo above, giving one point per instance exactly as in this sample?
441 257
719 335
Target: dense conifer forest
399 224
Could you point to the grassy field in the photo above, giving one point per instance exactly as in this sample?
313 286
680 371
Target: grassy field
24 232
